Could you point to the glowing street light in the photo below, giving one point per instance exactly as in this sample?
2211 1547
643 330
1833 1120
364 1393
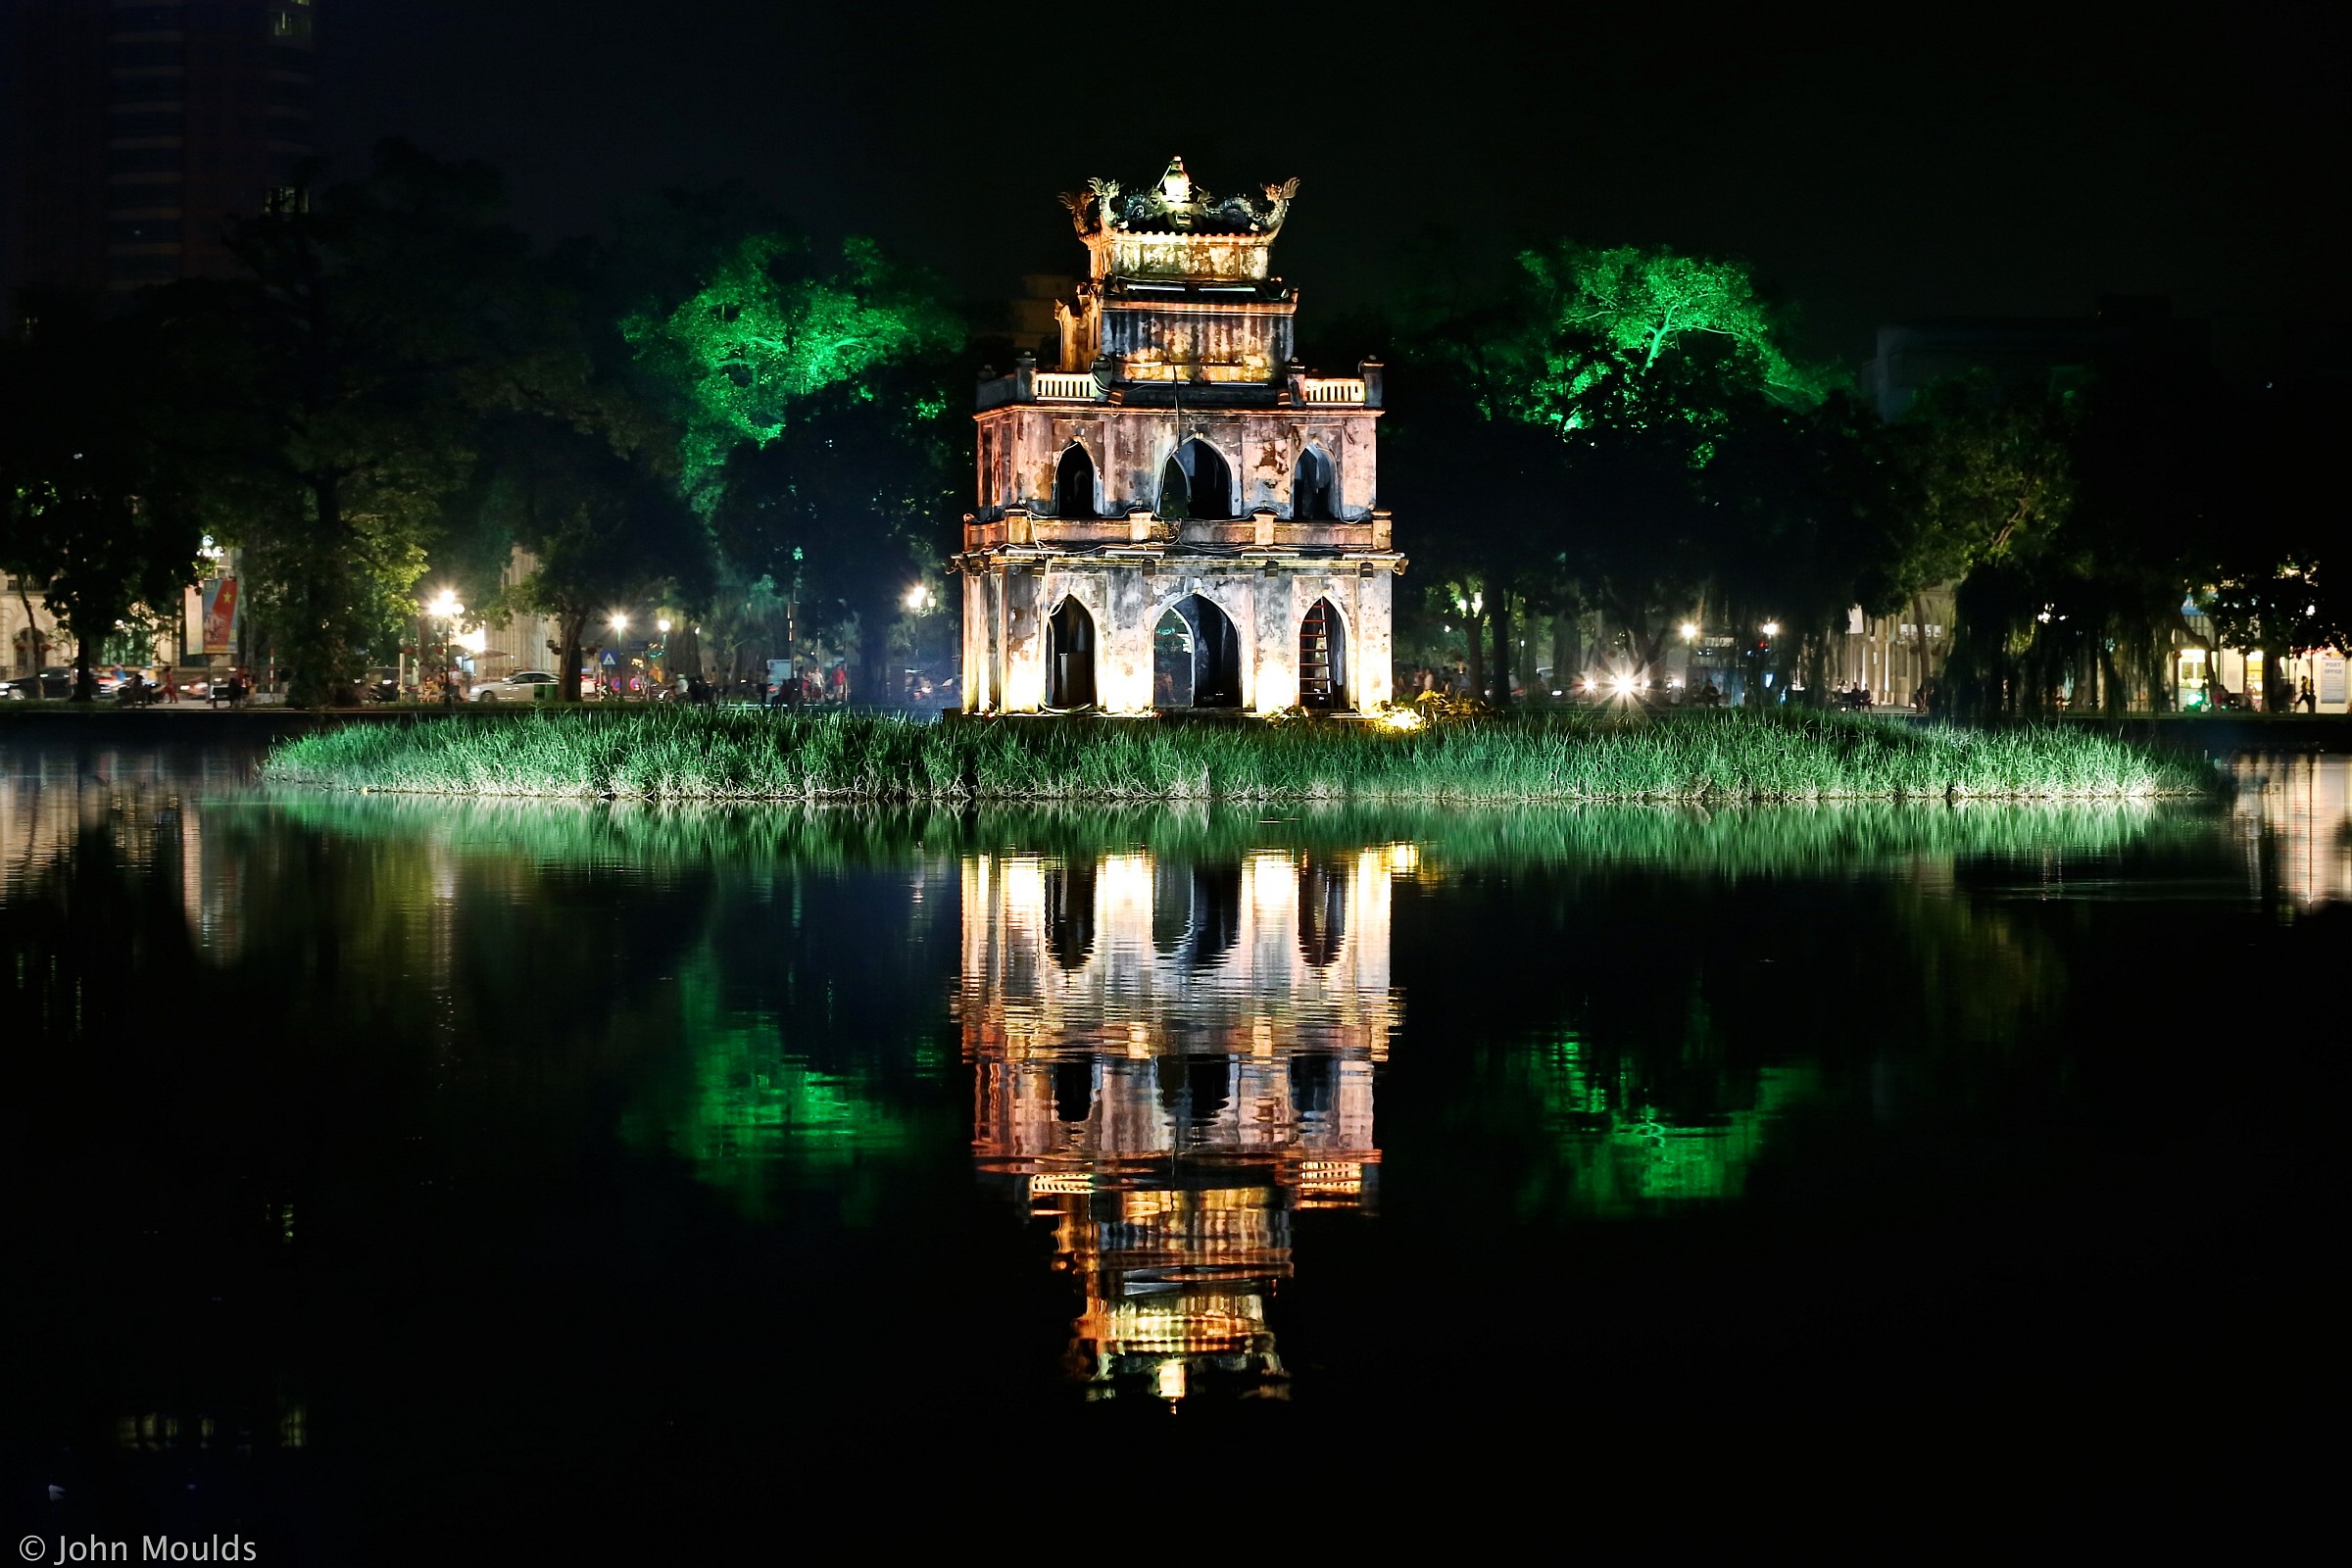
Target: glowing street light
445 606
663 625
1689 629
918 597
620 623
1772 628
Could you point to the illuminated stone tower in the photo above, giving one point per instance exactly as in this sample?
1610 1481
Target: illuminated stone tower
1178 516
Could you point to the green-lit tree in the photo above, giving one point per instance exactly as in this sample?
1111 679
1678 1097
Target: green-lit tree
1638 368
771 325
1629 336
851 507
810 394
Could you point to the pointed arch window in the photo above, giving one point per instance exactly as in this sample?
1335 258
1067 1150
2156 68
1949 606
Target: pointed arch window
1322 657
1195 657
1074 485
1195 483
1070 657
1314 489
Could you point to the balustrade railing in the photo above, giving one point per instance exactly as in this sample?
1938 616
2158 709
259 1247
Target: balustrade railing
1332 389
1064 384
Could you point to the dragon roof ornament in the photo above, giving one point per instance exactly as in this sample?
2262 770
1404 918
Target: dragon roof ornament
1177 205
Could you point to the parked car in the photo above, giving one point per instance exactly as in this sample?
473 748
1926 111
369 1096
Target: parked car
523 686
53 685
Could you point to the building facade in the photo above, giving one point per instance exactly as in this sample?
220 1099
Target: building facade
143 128
1177 515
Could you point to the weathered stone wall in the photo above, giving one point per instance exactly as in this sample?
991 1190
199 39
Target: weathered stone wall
1021 450
1210 343
1008 610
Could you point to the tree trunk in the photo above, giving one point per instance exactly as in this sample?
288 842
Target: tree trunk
1504 664
571 629
1474 657
321 645
35 643
86 681
873 658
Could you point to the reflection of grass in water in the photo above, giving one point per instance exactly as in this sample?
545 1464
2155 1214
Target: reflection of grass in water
692 754
1746 841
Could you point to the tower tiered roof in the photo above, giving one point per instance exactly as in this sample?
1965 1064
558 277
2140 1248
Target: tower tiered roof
1177 231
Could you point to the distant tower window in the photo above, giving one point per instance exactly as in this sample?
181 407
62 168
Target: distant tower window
146 19
148 122
144 159
133 56
286 200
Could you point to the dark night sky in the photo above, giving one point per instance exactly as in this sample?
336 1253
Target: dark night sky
1875 166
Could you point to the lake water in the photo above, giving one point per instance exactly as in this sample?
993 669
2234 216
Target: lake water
379 1165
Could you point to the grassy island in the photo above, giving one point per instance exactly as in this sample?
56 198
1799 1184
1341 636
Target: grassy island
738 754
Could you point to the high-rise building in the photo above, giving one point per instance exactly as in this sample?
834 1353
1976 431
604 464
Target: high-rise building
143 126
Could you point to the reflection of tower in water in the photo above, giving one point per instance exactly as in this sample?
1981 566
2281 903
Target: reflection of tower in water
1170 1061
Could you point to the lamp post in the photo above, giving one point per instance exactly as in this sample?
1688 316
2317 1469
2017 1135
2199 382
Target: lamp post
1770 629
444 609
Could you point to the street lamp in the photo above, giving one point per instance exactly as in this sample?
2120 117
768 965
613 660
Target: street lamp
663 625
620 623
1690 630
1772 628
918 597
443 607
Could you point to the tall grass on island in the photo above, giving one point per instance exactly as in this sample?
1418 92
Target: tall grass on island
667 753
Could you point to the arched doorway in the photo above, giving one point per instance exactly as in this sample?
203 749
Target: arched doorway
1195 657
1070 657
1313 493
1322 657
1074 485
1217 915
1195 483
1073 1091
1070 914
1322 913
